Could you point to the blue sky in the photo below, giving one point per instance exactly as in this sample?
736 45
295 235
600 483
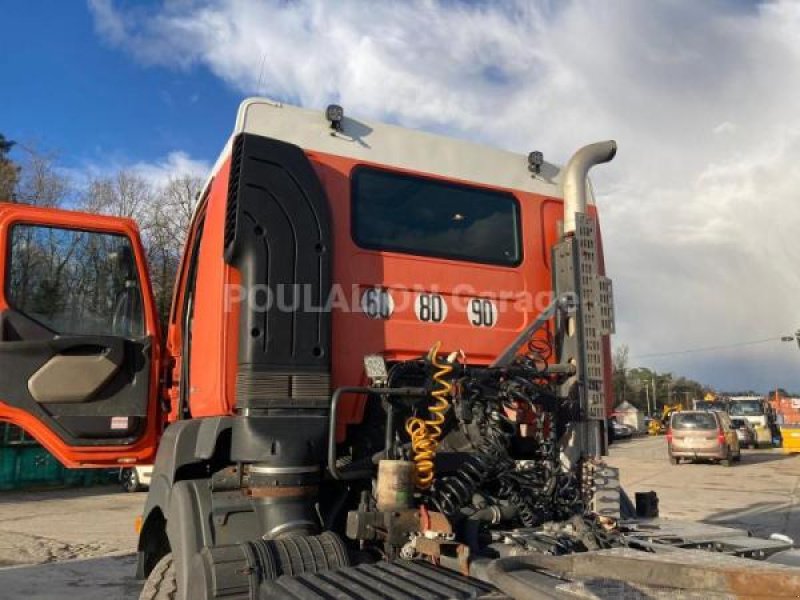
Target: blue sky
67 89
700 208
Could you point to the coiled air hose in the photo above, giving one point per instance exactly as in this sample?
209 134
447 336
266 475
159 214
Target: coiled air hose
426 433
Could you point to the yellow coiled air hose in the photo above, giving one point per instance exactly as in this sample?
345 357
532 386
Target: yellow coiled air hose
425 433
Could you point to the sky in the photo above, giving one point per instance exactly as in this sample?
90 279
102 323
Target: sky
700 209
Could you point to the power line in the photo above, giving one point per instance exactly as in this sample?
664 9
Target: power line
776 338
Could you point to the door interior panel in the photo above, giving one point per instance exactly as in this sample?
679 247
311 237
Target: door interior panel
16 327
85 404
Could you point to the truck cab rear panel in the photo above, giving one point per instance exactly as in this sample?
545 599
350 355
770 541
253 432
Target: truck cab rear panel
481 306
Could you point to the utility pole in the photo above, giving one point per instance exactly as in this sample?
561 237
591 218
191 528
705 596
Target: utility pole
655 396
647 395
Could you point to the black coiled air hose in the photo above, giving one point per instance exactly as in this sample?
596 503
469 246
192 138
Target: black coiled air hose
450 494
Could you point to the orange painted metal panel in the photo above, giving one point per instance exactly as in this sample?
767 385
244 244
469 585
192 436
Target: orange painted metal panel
143 450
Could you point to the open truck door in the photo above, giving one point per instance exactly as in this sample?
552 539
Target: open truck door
79 342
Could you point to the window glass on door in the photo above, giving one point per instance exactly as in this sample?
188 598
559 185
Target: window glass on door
75 282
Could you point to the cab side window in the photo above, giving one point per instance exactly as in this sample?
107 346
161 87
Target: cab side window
75 282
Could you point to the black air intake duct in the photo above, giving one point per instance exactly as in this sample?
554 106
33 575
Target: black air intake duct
277 235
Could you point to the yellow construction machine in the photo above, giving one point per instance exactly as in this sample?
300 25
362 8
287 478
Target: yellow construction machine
659 426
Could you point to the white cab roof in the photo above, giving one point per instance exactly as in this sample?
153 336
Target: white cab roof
394 146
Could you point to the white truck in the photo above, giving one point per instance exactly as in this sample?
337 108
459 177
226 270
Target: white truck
757 411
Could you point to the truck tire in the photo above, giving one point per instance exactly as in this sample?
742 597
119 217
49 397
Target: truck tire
129 480
161 584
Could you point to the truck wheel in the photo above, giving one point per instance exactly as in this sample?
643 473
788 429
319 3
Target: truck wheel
675 460
161 584
129 479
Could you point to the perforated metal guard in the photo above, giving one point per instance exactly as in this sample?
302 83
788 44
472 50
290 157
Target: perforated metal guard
607 319
586 241
604 489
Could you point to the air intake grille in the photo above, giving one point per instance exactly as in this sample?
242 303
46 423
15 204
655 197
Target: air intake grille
233 196
280 390
311 386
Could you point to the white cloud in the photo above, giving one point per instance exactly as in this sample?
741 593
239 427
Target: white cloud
157 172
702 205
174 164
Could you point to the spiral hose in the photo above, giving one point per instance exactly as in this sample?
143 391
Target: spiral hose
425 433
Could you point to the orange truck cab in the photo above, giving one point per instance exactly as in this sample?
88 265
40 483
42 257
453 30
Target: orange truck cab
375 332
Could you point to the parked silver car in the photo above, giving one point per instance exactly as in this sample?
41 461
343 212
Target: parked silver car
621 431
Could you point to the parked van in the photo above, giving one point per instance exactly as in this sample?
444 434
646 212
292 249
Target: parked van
700 434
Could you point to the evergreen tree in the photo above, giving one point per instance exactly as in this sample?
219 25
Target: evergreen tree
9 171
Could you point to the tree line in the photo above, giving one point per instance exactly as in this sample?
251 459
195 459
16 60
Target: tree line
162 210
649 390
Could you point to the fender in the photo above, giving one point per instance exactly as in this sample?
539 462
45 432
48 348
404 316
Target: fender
186 452
195 499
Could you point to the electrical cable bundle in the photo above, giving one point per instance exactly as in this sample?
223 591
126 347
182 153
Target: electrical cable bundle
539 490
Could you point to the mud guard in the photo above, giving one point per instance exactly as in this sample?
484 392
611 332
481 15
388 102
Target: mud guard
179 498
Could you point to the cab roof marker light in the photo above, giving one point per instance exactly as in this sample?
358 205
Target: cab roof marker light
535 162
335 113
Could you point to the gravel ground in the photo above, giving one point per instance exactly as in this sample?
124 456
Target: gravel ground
762 493
55 525
78 543
72 543
107 578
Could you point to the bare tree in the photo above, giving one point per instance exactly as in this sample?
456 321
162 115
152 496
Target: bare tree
619 363
179 196
40 181
163 213
123 194
620 358
165 233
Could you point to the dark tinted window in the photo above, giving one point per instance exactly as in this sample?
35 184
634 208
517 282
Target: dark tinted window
77 282
410 214
694 421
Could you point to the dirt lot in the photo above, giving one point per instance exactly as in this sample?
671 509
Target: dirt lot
79 543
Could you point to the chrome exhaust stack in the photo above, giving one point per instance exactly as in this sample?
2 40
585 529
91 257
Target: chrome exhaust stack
576 273
573 183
